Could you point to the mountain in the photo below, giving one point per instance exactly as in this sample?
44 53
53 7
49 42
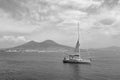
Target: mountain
50 45
105 52
112 48
47 45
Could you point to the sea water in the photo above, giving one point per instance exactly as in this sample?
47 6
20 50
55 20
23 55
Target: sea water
49 66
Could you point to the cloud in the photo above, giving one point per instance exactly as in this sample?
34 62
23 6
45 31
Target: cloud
107 21
41 10
37 11
13 8
10 25
110 3
13 38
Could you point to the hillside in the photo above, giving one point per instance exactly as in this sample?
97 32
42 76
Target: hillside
47 45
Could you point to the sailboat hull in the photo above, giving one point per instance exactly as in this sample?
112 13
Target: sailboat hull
83 61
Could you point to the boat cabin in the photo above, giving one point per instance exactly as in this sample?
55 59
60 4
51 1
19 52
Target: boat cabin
72 57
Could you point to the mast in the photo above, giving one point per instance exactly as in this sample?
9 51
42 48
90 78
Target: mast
78 32
78 39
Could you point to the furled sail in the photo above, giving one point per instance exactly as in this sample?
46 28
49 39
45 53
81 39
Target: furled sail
77 46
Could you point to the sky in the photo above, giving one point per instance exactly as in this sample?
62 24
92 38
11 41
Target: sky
25 20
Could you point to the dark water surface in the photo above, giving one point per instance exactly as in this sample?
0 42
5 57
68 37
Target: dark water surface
49 66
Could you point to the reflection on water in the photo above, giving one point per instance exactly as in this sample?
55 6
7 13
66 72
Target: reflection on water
75 71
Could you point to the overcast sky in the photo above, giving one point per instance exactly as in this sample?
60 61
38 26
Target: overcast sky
39 20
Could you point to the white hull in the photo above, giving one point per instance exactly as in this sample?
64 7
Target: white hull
80 61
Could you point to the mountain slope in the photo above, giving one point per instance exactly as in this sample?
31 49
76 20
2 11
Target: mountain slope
45 45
